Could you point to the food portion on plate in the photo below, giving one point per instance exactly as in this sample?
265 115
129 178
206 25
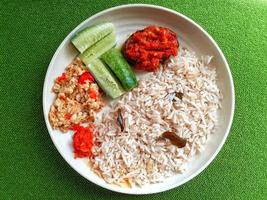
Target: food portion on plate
78 97
120 68
165 121
146 49
154 125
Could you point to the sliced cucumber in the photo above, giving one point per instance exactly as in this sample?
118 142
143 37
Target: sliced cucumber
105 79
117 63
89 36
98 48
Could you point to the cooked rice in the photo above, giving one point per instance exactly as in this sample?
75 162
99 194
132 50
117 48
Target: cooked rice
136 156
73 99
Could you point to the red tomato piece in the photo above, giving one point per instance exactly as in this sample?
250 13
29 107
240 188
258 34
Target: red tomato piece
86 76
67 116
93 93
63 77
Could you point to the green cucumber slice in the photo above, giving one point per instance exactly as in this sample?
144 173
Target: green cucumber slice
105 79
89 36
98 48
117 63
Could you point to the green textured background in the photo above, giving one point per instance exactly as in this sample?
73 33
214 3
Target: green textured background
31 167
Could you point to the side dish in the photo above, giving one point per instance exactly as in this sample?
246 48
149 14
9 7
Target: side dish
78 97
146 49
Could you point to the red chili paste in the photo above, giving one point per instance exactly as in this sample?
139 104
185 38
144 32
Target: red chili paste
83 141
147 48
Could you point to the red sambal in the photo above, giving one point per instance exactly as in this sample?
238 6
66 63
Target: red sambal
83 141
146 49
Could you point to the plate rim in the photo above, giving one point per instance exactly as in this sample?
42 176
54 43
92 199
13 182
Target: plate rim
222 142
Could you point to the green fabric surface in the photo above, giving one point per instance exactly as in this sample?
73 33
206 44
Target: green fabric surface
31 167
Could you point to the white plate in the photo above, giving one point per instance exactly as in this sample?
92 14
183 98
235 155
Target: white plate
127 19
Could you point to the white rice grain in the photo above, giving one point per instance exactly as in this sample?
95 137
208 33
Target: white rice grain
135 155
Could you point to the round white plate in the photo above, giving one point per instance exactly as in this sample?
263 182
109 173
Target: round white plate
127 19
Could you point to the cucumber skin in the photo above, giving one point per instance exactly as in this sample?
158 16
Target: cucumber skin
98 48
105 79
90 35
120 67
